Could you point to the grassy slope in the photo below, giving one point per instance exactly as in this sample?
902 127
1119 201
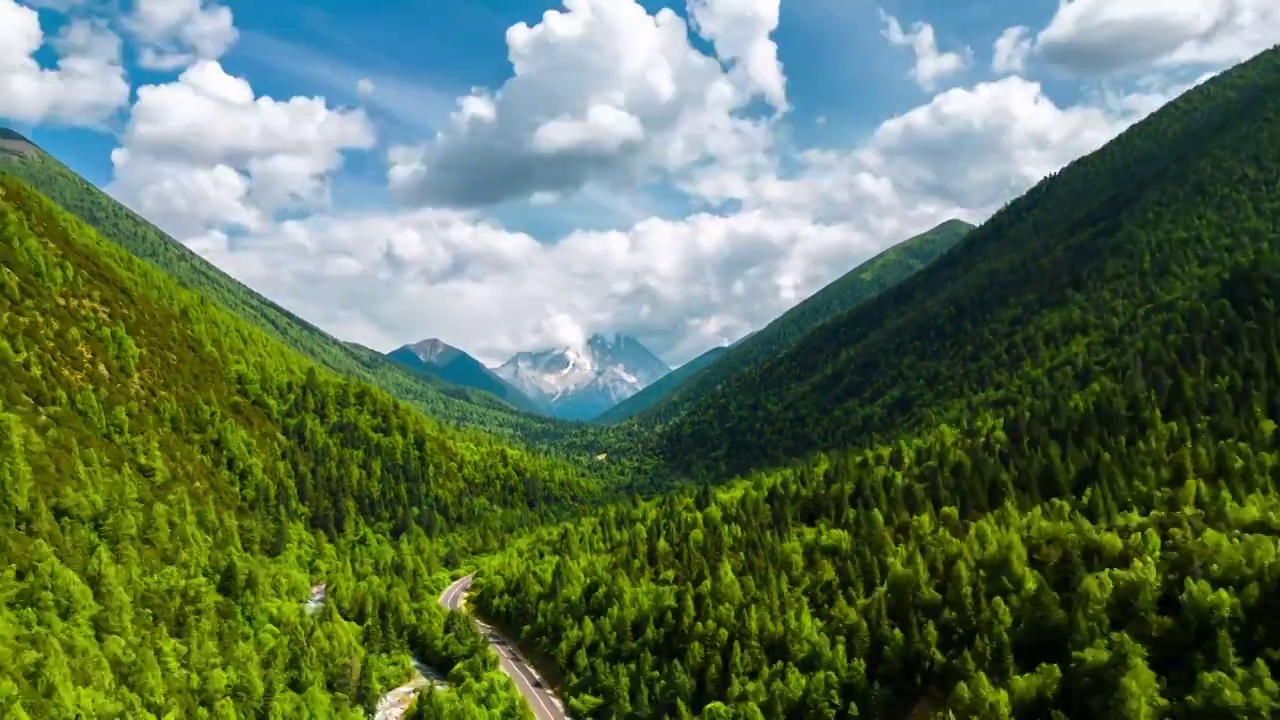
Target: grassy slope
1049 295
117 223
865 281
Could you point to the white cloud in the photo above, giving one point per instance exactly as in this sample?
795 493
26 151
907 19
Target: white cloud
87 86
176 33
682 285
225 157
1097 37
687 283
740 30
977 147
964 153
564 331
602 91
207 114
182 198
1011 50
365 88
932 66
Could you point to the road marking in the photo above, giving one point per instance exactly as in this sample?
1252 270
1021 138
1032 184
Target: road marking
532 689
452 600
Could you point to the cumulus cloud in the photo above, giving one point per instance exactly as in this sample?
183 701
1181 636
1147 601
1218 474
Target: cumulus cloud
365 87
87 86
975 147
686 284
965 153
740 33
932 65
682 285
203 151
564 330
1011 50
173 34
1097 37
602 91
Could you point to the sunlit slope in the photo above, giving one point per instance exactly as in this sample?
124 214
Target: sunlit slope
122 226
172 479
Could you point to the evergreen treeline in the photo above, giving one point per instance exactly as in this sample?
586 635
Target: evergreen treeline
1057 493
1058 291
449 403
173 481
843 590
665 398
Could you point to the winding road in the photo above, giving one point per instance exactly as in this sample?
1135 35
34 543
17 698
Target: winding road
545 706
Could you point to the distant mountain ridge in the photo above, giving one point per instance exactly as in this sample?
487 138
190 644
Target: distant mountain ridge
435 358
664 386
580 382
662 401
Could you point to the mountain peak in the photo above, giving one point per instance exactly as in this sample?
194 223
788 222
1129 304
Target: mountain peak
13 142
433 350
437 358
582 382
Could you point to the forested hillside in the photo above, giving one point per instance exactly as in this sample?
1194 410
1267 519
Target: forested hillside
173 480
1082 281
859 284
662 388
1071 511
447 402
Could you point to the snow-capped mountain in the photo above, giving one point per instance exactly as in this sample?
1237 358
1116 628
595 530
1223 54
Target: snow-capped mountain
436 358
579 383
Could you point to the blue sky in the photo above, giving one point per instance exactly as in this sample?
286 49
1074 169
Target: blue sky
613 185
423 54
837 63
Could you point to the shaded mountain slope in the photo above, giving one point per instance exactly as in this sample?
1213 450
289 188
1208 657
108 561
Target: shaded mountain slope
662 388
864 281
438 359
1053 294
15 144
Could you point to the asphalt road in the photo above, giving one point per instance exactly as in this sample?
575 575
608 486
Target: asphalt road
545 706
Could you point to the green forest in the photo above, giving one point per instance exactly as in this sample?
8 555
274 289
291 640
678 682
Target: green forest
174 481
449 403
1111 271
1035 480
1027 470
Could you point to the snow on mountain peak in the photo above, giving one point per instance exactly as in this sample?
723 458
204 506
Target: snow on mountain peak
579 380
